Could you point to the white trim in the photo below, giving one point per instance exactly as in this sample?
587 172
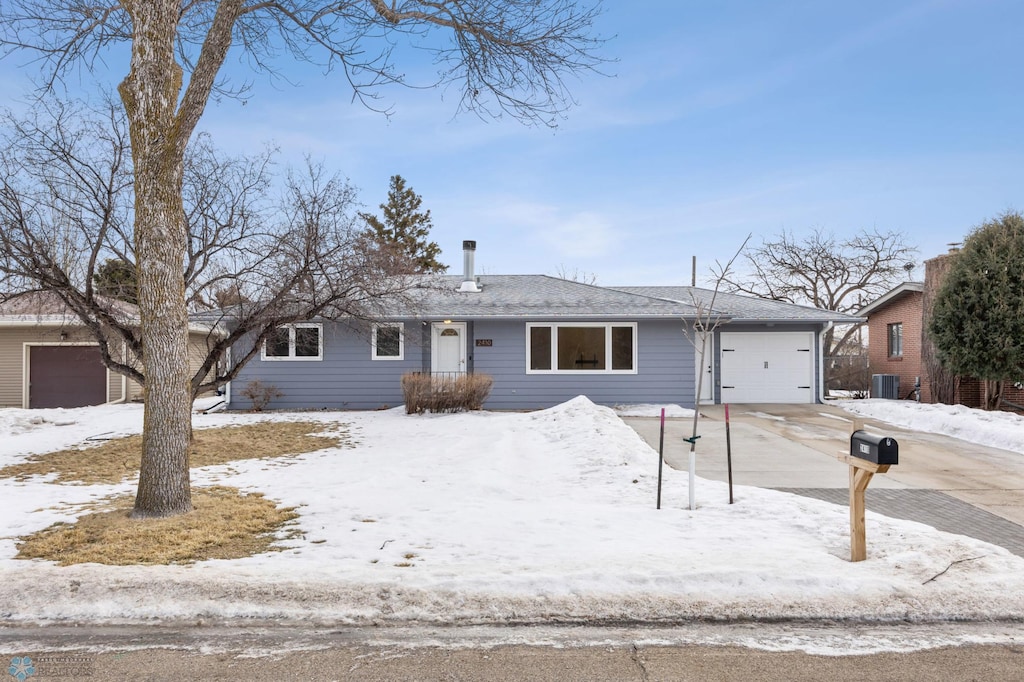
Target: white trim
607 326
75 321
890 297
124 379
707 382
401 341
26 364
227 385
819 369
435 333
291 357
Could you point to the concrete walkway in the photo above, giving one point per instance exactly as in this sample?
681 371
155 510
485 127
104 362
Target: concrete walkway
948 483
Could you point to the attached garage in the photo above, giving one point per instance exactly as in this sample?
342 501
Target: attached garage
66 376
767 367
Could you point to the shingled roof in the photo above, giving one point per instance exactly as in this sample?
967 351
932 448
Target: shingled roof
546 297
46 307
535 296
745 308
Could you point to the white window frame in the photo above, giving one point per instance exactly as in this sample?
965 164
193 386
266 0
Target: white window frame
291 357
401 341
554 326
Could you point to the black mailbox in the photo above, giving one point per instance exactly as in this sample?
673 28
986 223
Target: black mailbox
877 449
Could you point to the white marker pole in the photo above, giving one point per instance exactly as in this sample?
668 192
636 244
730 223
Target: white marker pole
693 475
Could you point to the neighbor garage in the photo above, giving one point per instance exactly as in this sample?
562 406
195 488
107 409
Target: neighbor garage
66 376
767 367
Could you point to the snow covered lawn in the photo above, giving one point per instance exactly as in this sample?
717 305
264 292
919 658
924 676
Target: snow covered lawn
494 517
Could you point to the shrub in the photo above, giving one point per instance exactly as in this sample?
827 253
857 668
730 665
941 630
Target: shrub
260 394
445 393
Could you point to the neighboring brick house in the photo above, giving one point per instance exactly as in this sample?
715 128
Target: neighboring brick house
894 334
898 343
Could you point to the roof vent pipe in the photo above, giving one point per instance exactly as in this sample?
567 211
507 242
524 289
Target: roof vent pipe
469 284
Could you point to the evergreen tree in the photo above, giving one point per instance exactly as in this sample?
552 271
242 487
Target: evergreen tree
405 227
977 322
117 279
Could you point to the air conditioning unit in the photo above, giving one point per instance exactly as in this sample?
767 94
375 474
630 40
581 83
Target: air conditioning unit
885 386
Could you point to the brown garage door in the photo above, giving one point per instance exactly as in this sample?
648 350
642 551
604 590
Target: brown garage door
66 376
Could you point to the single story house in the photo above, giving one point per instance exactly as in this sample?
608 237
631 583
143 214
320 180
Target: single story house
545 340
49 359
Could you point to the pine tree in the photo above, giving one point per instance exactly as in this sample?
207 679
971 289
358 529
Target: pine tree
117 279
405 227
977 321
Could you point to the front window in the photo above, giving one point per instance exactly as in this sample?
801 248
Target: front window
581 348
388 342
303 341
896 340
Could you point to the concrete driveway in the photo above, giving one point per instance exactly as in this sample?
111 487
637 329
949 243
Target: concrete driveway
948 483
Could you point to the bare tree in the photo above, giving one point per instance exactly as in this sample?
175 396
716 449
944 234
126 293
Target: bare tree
706 320
576 275
252 263
510 57
826 272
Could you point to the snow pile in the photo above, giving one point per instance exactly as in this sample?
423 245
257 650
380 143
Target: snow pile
493 518
1003 430
647 410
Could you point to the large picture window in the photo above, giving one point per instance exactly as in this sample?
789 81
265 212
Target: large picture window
581 348
388 342
302 341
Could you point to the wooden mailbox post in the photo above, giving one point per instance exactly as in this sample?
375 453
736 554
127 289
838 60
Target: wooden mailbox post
868 455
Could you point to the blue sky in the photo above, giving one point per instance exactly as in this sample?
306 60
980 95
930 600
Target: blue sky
719 119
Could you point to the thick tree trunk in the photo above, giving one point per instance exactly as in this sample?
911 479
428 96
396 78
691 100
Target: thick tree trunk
150 95
993 398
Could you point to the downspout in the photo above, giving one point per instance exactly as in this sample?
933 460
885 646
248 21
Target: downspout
227 386
821 362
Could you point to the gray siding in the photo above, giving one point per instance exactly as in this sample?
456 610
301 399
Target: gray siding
665 370
347 377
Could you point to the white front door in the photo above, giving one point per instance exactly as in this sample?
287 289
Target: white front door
448 347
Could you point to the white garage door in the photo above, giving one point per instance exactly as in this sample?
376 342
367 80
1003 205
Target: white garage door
767 367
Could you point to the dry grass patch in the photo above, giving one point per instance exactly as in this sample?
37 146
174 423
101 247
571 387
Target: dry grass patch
225 524
114 460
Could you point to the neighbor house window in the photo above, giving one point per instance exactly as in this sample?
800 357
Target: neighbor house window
302 341
388 342
896 340
581 348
